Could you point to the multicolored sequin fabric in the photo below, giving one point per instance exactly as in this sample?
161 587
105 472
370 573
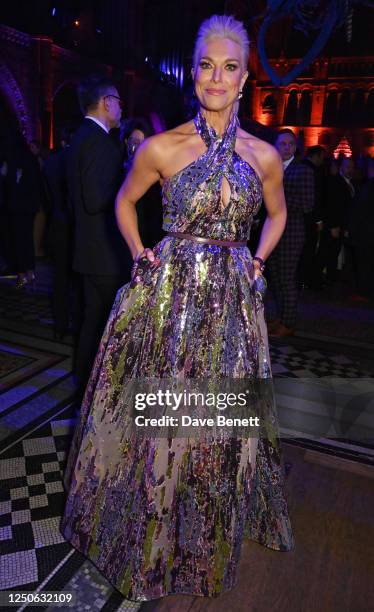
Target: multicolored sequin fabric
162 516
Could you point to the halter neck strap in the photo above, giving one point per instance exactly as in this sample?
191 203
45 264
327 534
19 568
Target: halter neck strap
224 145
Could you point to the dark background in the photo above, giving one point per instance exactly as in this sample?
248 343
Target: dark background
125 32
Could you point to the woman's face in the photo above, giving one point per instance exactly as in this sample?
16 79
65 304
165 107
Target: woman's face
134 141
219 74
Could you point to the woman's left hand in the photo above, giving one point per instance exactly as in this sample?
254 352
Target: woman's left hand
259 280
257 269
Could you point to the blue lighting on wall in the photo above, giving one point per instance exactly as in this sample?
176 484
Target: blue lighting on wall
172 66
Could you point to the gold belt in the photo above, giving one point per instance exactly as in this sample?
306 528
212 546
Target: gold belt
201 240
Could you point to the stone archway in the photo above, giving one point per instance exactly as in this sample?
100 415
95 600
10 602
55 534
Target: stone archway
12 93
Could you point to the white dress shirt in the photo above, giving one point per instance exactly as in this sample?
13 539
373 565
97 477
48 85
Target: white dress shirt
349 183
287 163
98 122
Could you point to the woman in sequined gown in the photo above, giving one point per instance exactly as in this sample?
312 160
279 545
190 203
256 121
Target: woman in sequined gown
168 516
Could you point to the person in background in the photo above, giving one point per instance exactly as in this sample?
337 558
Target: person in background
339 199
315 158
283 262
40 153
4 229
361 237
24 192
149 207
334 167
60 237
40 221
134 132
95 173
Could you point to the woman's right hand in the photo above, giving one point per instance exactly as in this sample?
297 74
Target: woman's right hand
145 253
144 260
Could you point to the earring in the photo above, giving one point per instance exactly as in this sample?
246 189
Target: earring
240 94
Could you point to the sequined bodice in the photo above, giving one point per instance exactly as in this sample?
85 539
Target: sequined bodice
192 200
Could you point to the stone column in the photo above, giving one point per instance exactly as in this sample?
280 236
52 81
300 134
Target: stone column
282 99
46 89
255 97
285 104
318 102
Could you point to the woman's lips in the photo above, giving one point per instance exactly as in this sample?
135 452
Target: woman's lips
215 92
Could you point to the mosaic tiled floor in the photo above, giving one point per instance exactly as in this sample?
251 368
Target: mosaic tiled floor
36 420
33 553
11 361
300 358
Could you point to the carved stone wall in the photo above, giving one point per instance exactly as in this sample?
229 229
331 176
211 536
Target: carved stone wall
349 112
32 71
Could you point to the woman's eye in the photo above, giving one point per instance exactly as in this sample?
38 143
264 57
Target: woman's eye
204 65
231 67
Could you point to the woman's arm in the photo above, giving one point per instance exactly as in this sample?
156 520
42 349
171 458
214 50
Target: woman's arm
144 173
274 202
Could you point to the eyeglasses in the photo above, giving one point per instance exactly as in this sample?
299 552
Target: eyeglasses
120 101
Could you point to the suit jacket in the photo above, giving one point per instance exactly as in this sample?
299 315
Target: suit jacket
25 195
318 211
339 202
361 221
55 176
94 172
299 193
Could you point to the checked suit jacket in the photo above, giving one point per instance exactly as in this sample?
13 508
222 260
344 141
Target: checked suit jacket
299 194
299 185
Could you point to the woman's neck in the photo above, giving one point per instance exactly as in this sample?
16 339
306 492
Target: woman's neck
218 120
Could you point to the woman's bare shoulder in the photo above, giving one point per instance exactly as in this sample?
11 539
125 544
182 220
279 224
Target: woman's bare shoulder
160 148
162 143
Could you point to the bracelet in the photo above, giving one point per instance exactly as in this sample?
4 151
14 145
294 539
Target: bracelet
261 262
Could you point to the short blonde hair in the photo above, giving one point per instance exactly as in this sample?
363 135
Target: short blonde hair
222 26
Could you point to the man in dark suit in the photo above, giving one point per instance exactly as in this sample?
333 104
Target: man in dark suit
24 191
340 194
361 237
283 262
314 158
95 174
60 241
